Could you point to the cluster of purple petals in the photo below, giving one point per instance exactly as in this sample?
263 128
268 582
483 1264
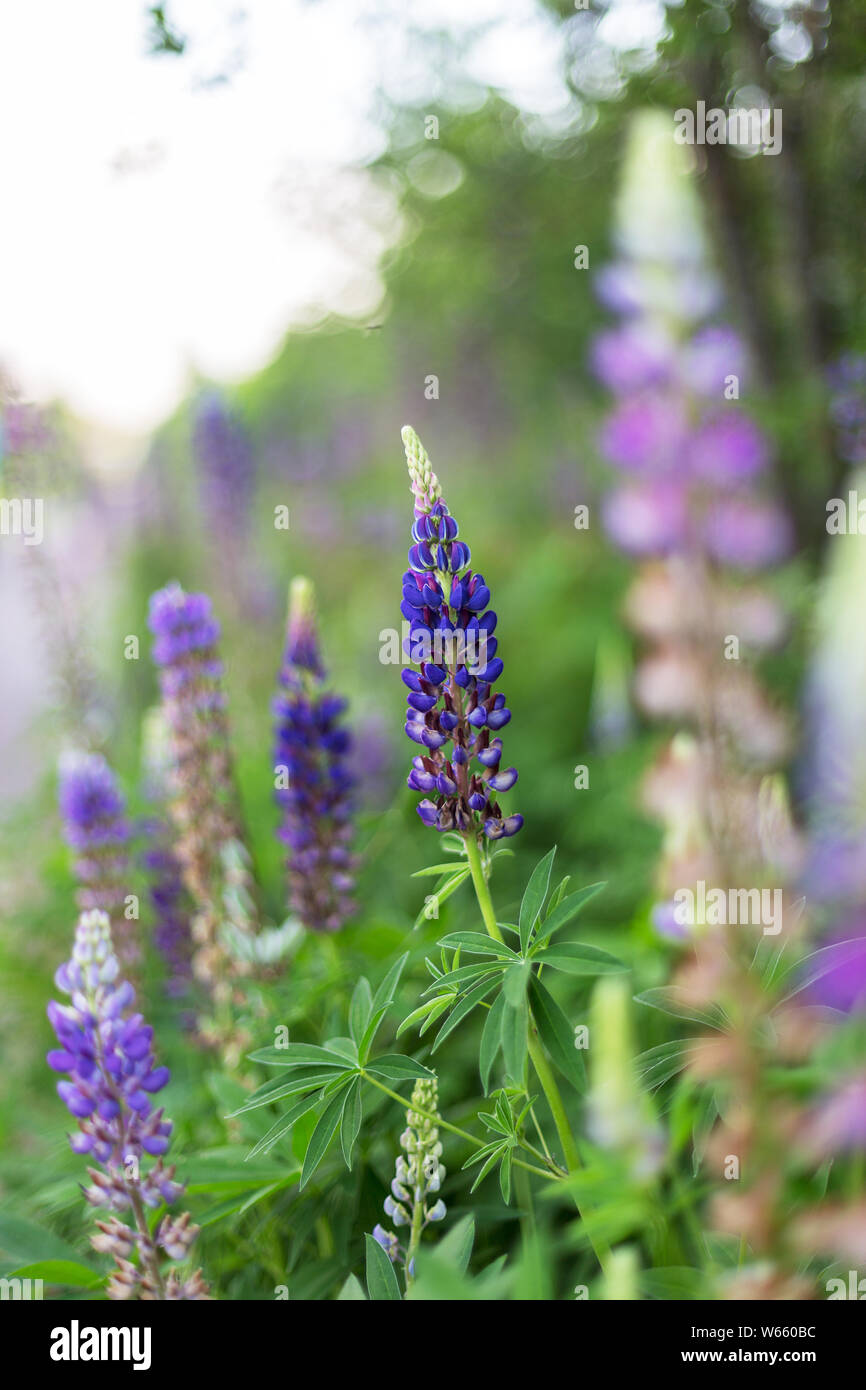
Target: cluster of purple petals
226 464
453 714
172 927
692 460
185 648
96 829
105 1050
312 743
847 381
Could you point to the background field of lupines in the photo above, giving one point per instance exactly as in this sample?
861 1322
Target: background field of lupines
483 292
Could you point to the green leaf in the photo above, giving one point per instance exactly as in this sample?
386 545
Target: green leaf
432 1008
381 1279
283 1125
369 1035
672 999
505 1175
352 1291
441 895
477 943
557 1035
322 1135
515 982
434 870
658 1064
360 1009
298 1055
385 993
513 1029
533 898
68 1273
394 1067
464 974
466 1005
491 1040
490 1162
456 1246
24 1240
276 1090
350 1121
563 913
575 958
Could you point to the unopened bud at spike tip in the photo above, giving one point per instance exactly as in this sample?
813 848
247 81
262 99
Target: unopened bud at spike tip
425 484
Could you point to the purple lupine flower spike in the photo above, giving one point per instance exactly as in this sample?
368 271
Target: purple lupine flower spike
169 902
105 1051
226 463
98 832
314 782
204 798
453 714
171 907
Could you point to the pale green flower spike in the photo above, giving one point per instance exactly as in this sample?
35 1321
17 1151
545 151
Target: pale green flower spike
425 484
414 1200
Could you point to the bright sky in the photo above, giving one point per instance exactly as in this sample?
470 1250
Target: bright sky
154 223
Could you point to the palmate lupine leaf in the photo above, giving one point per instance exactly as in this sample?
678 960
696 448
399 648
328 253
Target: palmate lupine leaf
333 1076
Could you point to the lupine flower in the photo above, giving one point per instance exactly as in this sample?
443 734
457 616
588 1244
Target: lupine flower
226 463
838 1124
693 504
169 900
847 381
98 832
204 798
170 905
311 757
105 1050
453 714
413 1201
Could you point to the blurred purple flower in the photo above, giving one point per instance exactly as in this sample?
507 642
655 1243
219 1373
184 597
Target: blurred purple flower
632 358
311 751
226 465
97 830
726 449
746 533
646 518
646 434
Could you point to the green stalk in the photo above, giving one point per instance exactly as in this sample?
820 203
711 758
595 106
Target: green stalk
543 1069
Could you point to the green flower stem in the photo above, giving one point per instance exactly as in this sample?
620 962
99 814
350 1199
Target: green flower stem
453 1129
414 1239
482 891
543 1069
